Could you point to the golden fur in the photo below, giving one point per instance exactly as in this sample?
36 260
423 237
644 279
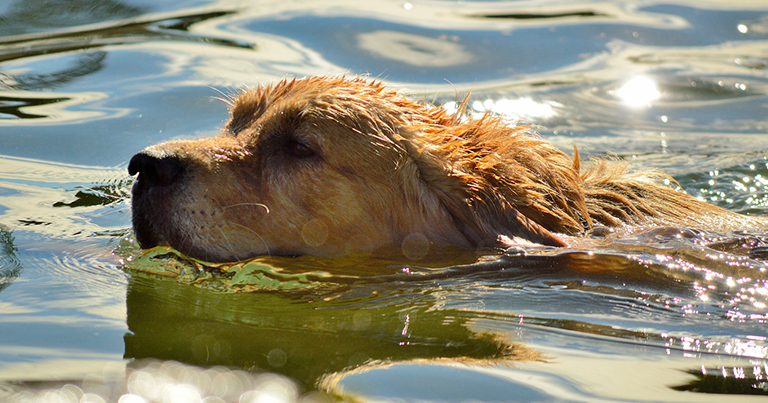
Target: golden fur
325 165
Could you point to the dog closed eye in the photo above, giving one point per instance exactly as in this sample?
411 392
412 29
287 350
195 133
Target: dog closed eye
298 149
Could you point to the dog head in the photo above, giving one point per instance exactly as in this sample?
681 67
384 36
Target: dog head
327 165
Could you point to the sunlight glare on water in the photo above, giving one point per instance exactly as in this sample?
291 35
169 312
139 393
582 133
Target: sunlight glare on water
172 382
512 110
638 91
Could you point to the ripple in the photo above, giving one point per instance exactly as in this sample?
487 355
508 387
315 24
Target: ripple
132 30
10 266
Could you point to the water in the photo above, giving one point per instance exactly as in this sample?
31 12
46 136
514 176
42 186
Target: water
663 316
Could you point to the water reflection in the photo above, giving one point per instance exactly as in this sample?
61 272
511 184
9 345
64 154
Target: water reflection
54 186
688 291
123 32
19 106
747 380
303 338
79 66
415 50
28 16
12 107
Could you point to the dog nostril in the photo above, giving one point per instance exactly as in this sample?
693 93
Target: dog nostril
155 170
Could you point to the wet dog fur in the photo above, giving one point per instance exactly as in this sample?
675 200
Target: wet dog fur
329 165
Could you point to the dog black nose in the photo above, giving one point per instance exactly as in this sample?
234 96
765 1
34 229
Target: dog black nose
155 169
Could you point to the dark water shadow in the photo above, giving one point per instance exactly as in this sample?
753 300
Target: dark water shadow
14 107
121 32
727 380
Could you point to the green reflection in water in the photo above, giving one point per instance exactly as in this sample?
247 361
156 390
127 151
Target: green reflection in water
251 275
300 334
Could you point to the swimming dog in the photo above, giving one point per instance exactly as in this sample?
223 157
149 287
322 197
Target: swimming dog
328 165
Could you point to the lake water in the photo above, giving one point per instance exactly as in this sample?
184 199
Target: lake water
669 315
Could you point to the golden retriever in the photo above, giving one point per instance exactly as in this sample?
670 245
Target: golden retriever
328 165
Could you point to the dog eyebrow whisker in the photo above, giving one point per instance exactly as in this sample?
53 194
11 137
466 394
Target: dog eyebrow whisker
248 204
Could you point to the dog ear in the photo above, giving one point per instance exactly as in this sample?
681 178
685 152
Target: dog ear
485 217
496 217
479 212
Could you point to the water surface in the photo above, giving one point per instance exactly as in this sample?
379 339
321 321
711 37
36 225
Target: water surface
665 316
